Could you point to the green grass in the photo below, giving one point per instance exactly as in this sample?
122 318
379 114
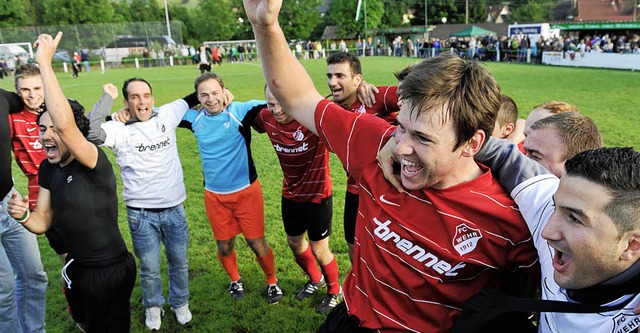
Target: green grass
608 96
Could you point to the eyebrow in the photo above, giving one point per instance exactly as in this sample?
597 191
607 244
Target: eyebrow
576 211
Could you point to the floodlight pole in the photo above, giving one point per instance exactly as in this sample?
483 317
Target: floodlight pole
426 20
166 14
466 16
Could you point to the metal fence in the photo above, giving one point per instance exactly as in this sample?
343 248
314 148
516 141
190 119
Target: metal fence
93 36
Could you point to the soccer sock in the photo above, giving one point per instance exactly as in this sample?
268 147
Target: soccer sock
268 266
230 265
330 272
307 262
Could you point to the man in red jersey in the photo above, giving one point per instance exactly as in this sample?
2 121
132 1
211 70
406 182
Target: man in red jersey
26 145
344 76
306 199
419 254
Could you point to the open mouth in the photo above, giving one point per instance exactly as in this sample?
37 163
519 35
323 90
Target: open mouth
561 260
410 168
51 150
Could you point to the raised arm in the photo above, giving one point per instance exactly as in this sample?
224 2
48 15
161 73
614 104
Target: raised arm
58 107
99 112
507 163
287 79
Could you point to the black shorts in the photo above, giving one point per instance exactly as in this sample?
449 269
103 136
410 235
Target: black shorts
339 321
99 296
350 216
313 218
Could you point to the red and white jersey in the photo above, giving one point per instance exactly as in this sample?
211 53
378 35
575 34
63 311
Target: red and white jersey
25 142
419 255
303 157
386 107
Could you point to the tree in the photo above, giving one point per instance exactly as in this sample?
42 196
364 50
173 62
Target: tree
342 14
13 13
299 20
214 21
534 11
394 14
145 11
63 12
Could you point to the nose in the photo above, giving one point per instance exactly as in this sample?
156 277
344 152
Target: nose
404 145
332 80
45 135
552 230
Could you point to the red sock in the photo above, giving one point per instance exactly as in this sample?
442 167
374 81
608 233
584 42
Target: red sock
268 266
307 262
230 265
330 272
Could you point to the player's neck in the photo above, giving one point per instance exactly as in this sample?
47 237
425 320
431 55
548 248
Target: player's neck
465 171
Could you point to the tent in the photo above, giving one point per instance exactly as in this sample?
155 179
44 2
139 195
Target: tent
473 31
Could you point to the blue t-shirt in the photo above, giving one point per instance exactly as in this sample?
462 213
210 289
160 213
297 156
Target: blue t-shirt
224 142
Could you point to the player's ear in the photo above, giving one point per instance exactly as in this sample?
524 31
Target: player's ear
630 241
473 145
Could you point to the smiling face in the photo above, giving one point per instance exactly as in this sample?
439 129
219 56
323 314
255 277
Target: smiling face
211 96
139 100
56 150
30 89
588 246
276 109
426 147
343 83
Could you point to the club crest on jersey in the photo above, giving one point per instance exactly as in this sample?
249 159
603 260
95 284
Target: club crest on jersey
623 323
298 136
466 238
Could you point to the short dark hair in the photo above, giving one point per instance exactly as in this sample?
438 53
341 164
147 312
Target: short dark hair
208 76
82 122
508 112
617 170
125 93
578 132
342 57
470 94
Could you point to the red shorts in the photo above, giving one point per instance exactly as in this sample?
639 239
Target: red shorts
240 212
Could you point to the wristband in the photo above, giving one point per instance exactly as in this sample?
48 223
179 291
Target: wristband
25 218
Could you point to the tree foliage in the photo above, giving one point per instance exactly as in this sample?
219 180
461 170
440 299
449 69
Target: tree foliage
13 13
63 12
342 14
225 19
215 20
534 11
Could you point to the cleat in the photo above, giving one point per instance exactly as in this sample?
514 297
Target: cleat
236 289
329 302
274 294
310 288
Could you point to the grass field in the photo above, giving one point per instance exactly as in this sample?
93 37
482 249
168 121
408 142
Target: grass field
608 96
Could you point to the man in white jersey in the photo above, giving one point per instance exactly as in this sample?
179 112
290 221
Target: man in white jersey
153 191
586 227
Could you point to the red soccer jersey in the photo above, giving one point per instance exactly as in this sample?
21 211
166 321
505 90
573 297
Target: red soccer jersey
386 107
303 157
419 255
521 147
27 148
